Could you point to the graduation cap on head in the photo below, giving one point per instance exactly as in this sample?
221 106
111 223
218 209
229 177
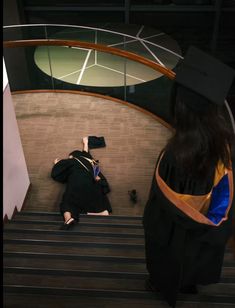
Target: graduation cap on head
202 79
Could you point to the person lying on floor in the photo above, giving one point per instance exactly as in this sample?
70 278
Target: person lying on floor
86 187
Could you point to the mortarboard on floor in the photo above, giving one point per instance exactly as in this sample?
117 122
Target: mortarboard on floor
96 142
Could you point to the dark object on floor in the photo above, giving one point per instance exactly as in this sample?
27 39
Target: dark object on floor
133 195
149 286
189 289
96 142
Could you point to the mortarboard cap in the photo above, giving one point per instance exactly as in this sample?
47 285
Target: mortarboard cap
96 142
208 79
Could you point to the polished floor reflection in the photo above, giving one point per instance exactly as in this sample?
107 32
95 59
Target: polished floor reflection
83 66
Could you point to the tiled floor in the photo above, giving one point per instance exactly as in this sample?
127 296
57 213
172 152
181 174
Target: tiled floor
52 125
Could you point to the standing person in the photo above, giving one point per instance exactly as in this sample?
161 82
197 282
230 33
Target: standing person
86 186
188 216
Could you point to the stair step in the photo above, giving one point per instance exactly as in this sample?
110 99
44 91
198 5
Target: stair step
85 222
228 271
226 287
91 273
77 273
122 217
96 237
121 294
81 226
24 261
60 243
90 280
112 219
74 265
73 248
120 260
74 262
65 236
49 301
82 281
65 256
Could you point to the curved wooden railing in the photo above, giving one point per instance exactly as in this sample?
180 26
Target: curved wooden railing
115 51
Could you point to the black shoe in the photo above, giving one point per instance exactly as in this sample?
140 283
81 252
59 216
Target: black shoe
149 286
192 289
68 225
133 195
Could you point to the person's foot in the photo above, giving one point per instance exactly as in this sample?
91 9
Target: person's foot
68 224
192 289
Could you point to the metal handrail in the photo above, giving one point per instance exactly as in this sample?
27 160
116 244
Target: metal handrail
99 29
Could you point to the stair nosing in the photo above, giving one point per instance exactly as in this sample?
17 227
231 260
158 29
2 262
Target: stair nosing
74 232
130 226
35 213
74 257
80 273
24 289
88 273
69 243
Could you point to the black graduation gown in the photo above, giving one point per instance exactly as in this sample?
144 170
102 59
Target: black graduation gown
182 250
82 193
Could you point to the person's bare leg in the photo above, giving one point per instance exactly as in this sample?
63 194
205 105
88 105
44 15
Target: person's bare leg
104 213
85 144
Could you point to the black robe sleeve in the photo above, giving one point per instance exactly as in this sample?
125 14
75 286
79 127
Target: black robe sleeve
61 170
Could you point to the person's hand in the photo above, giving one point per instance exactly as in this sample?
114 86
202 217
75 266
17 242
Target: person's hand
56 160
85 140
85 144
97 178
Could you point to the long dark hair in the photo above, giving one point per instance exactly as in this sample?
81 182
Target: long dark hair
202 137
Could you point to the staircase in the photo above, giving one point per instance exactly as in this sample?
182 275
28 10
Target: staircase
100 263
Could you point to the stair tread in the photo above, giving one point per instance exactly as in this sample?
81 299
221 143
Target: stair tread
102 283
35 213
65 256
91 227
47 270
73 264
22 216
48 301
72 236
20 260
220 297
90 258
62 242
84 222
97 251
